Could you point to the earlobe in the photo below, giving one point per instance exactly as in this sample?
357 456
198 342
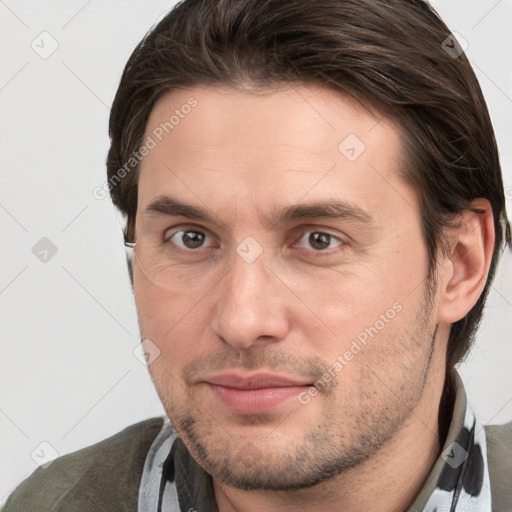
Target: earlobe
467 261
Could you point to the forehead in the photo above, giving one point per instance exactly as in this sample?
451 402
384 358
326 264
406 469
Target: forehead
297 116
228 148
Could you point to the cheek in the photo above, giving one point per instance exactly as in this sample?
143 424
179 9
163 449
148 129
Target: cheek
373 303
159 309
173 323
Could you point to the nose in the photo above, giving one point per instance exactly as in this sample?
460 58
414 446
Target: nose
252 305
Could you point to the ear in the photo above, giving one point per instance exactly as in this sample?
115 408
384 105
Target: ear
465 266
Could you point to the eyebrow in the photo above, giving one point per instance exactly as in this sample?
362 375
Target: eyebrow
166 206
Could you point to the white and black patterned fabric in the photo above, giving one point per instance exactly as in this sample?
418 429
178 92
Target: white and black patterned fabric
463 484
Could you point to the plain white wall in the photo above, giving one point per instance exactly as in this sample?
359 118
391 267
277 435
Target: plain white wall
69 377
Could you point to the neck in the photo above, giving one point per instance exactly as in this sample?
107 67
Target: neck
387 482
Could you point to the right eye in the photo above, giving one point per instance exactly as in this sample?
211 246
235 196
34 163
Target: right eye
186 239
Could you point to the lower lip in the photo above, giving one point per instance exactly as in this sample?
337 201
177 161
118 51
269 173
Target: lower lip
253 401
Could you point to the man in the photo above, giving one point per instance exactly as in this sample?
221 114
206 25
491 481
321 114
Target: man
315 212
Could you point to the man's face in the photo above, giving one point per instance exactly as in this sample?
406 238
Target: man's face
290 350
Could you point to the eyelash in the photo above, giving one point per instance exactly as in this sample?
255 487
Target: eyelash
341 242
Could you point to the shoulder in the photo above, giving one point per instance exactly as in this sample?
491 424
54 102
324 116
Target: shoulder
499 455
104 476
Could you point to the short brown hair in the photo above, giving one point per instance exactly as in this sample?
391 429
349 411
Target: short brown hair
395 53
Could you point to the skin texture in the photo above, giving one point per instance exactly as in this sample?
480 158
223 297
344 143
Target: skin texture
368 438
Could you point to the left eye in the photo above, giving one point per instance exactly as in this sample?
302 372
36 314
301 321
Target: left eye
320 241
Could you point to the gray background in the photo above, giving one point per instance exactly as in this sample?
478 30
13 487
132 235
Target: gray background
68 373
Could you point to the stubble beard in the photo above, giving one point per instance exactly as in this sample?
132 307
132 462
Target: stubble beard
373 411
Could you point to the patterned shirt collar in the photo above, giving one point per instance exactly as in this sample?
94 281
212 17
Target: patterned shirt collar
172 480
459 480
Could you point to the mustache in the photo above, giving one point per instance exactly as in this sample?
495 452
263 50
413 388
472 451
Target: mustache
254 358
